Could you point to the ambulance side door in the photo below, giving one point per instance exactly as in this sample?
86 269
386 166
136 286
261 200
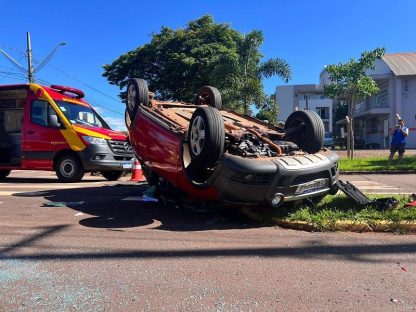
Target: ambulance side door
41 135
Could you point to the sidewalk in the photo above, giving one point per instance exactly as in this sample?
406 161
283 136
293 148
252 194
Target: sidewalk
373 153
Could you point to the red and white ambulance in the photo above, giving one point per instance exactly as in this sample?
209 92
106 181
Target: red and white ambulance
54 128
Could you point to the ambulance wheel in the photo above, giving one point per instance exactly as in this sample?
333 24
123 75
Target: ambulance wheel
4 174
69 169
112 175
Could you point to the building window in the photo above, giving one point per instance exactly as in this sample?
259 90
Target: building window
323 112
326 126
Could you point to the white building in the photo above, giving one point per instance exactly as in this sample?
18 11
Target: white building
395 74
310 97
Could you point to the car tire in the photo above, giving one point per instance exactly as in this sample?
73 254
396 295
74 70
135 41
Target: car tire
112 175
311 135
127 119
206 137
69 169
209 96
4 174
137 94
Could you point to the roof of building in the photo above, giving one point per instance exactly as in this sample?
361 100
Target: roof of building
402 64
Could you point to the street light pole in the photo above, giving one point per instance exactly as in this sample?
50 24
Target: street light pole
30 70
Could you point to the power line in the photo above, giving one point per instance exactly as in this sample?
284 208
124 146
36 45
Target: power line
11 74
11 70
89 100
24 54
94 101
83 83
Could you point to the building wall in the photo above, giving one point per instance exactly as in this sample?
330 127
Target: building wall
380 68
401 97
399 93
314 104
292 97
285 98
408 107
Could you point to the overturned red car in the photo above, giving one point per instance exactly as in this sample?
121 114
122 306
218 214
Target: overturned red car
210 153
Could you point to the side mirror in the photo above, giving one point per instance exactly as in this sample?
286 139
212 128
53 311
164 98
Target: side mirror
54 122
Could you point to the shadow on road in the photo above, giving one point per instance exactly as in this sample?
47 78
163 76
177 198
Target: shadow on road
107 209
370 253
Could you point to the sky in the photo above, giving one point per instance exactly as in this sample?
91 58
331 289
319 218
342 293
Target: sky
307 34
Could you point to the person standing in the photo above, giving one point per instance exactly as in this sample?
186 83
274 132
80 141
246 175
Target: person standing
398 141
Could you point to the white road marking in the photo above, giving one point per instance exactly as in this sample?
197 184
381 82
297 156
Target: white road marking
50 186
4 193
375 187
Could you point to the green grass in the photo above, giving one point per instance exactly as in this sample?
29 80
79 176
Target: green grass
376 164
340 207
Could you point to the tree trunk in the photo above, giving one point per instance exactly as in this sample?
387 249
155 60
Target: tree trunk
349 131
352 126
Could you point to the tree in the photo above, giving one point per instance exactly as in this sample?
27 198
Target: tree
177 63
269 110
250 71
350 81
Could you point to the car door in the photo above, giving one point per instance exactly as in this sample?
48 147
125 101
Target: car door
41 136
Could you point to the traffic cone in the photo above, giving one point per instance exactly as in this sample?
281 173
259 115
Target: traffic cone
137 173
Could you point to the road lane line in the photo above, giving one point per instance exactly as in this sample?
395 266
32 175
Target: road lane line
4 193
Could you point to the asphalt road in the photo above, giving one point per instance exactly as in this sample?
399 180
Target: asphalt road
83 247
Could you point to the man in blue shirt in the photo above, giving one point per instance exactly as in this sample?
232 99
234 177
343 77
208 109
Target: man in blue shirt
398 141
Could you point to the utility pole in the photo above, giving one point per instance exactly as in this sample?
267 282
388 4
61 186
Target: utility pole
30 70
29 59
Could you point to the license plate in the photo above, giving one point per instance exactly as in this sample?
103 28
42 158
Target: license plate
127 166
311 186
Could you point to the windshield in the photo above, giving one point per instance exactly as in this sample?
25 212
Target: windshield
81 115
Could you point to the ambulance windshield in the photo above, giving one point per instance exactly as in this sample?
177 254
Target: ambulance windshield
82 115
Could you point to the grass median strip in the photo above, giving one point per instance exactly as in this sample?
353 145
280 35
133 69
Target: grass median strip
339 212
374 164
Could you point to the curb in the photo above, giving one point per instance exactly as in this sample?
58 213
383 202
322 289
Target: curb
378 172
350 226
342 226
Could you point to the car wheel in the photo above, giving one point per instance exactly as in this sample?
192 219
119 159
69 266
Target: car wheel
4 174
206 136
137 94
127 119
69 169
209 96
311 130
112 175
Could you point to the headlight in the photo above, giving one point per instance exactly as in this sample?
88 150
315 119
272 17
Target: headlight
94 140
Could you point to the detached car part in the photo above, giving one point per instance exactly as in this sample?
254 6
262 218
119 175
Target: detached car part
355 194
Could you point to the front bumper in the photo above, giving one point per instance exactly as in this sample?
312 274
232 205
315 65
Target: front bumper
100 157
291 177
